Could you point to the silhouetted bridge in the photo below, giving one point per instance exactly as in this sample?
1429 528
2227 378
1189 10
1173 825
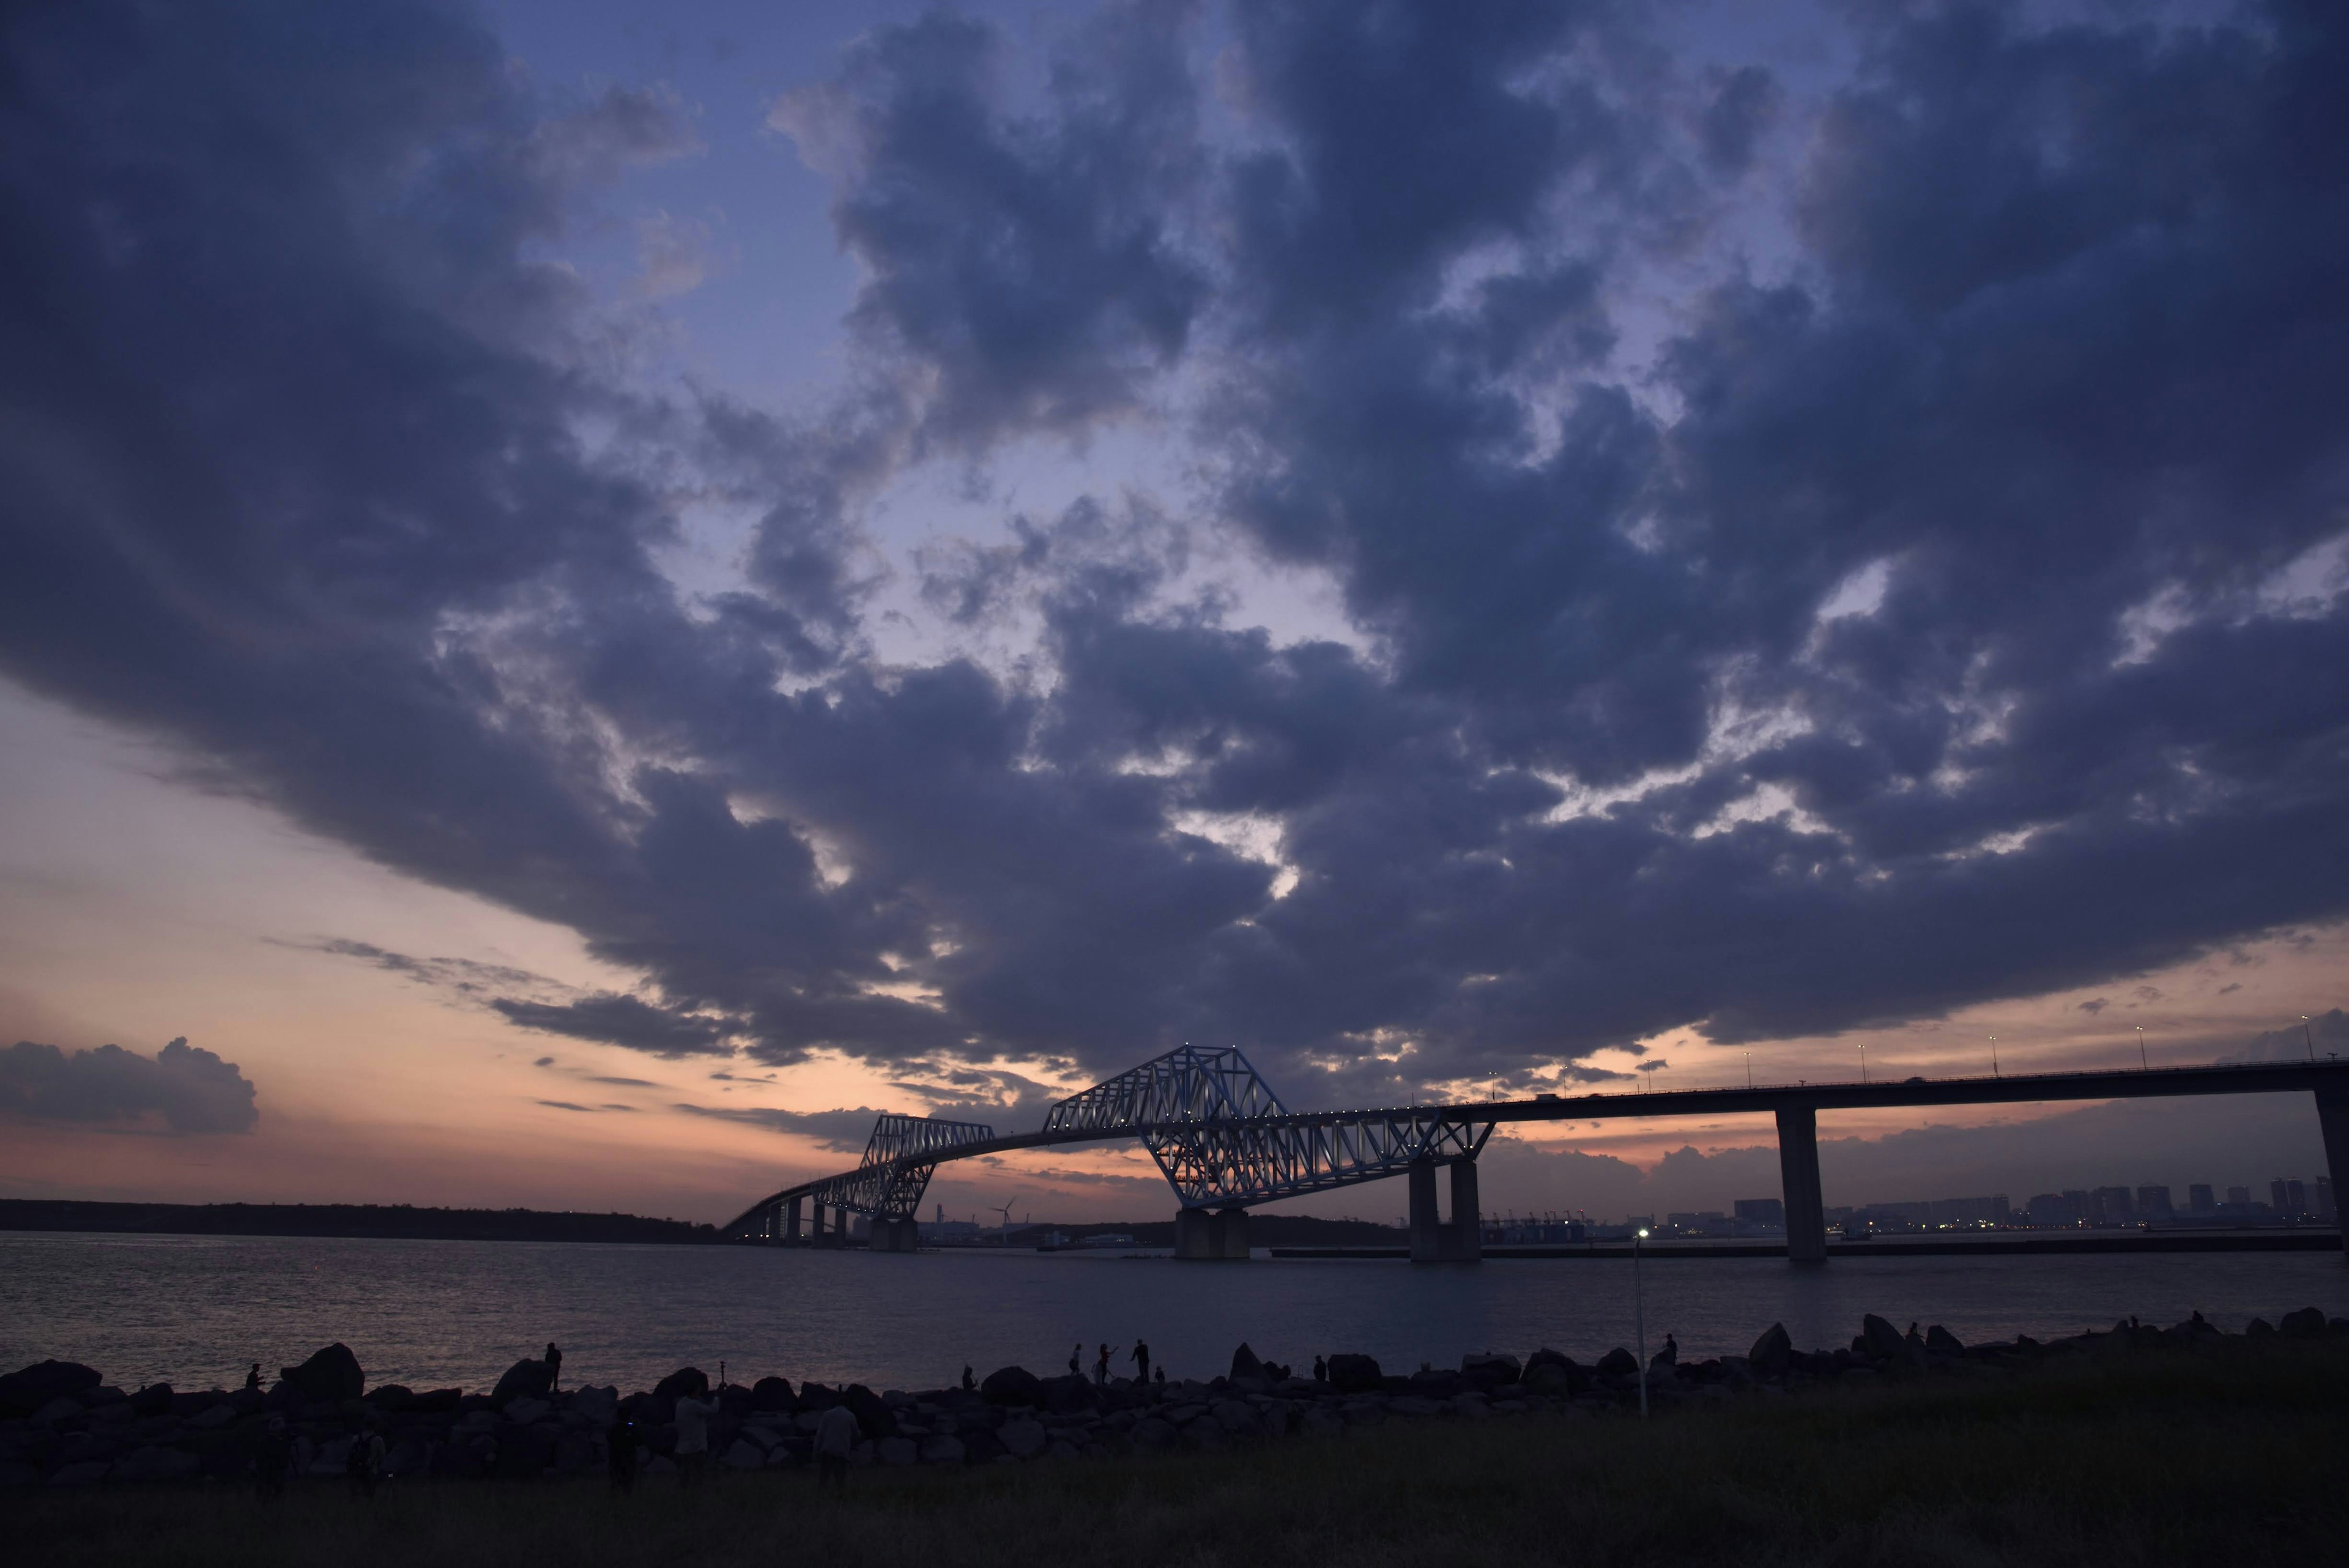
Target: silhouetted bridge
1226 1143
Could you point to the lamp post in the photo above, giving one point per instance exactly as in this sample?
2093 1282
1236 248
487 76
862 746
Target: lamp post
1863 1063
2142 1065
1749 1066
1639 1319
1993 1056
2305 1034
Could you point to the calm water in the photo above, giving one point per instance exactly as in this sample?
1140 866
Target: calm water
194 1310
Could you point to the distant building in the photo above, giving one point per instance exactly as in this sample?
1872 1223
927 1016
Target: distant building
1767 1212
2111 1206
2239 1197
2288 1199
2198 1200
2057 1211
2152 1204
2324 1200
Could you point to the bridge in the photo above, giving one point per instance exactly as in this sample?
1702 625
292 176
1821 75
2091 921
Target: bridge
1226 1143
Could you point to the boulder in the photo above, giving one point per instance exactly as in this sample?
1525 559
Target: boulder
2257 1328
157 1464
1236 1417
685 1380
1150 1432
1490 1370
1068 1394
2306 1322
82 1472
436 1402
25 1391
733 1401
897 1451
1773 1352
1435 1385
525 1412
211 1417
1619 1363
1013 1385
743 1455
874 1416
600 1406
1880 1339
1246 1365
155 1399
1941 1342
771 1394
330 1377
944 1450
1022 1439
525 1379
1320 1423
1354 1374
980 1445
392 1398
816 1397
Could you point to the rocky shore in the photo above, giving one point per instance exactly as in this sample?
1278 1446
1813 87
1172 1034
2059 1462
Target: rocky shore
61 1424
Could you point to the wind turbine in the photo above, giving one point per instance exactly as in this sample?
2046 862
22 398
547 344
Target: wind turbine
1006 1212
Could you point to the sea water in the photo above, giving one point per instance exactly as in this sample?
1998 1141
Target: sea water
193 1311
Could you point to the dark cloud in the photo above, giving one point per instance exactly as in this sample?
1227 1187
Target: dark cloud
614 1019
192 1090
1942 614
843 1131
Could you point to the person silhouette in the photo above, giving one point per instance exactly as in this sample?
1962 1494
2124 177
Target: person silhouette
1076 1357
1141 1362
1101 1368
1320 1370
969 1386
253 1380
553 1366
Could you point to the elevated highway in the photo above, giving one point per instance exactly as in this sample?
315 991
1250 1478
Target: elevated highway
1226 1143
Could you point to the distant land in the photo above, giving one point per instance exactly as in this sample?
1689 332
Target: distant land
363 1219
405 1222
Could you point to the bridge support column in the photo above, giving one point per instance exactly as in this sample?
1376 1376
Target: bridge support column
1231 1234
1464 1237
2333 1119
1426 1230
1194 1233
1799 1178
895 1235
792 1220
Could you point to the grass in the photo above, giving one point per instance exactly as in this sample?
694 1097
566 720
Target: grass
2225 1455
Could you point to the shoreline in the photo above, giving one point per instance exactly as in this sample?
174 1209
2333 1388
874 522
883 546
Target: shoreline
2307 1239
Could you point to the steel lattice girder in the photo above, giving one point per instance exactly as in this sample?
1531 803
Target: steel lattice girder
889 1183
1188 1084
1235 1164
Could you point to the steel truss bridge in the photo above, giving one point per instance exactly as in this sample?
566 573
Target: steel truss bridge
1226 1143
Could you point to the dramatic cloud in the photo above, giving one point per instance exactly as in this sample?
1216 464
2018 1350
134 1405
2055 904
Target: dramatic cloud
1812 553
192 1089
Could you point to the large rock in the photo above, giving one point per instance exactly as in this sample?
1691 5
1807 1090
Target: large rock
2306 1322
1771 1353
945 1449
1941 1342
771 1394
155 1399
1013 1385
25 1391
872 1414
525 1379
157 1464
1619 1363
1150 1432
1880 1339
1068 1394
747 1456
1489 1370
330 1377
1354 1374
1022 1439
685 1380
1246 1365
1236 1417
600 1406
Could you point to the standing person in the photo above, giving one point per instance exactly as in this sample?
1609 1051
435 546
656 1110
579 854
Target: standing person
969 1386
553 1366
363 1462
1160 1378
693 1437
253 1380
1142 1362
271 1452
1101 1368
1320 1370
620 1453
1076 1357
835 1440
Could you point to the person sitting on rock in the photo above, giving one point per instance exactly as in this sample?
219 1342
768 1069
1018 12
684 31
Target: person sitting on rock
1320 1370
835 1440
969 1385
253 1380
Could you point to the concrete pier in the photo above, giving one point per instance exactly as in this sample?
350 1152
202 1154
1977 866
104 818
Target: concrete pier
896 1235
1202 1234
2332 1120
1433 1239
791 1220
1798 1177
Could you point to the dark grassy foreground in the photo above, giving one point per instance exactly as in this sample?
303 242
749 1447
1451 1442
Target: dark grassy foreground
2233 1454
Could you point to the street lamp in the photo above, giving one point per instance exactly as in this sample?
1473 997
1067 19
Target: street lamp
1863 1063
1749 1067
2305 1034
1639 1319
1993 1056
2142 1064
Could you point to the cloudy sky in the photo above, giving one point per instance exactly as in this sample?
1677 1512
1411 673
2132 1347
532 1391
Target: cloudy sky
591 592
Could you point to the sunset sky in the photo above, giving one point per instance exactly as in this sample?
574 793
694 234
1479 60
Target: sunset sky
591 593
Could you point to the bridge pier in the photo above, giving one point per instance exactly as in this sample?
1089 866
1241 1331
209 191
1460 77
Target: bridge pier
1211 1233
791 1236
2332 1120
1431 1240
895 1235
1798 1179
